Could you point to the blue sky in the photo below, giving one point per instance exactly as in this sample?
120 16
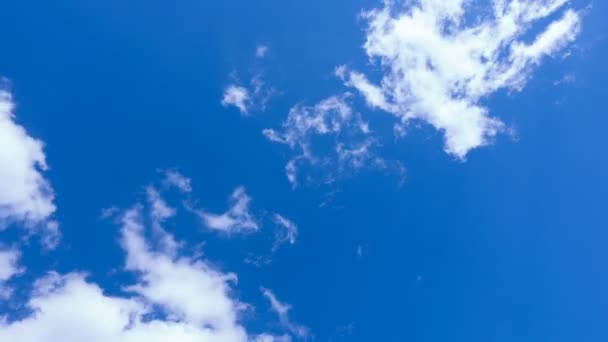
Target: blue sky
368 172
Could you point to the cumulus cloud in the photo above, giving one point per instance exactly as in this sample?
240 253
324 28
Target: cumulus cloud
173 297
330 135
237 96
282 310
237 218
26 197
441 61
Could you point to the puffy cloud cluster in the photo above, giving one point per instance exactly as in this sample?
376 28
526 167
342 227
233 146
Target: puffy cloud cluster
173 297
194 298
441 61
26 197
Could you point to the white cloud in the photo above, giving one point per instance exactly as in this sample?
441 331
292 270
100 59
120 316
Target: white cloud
26 197
176 179
191 291
440 64
247 100
238 217
159 210
309 130
173 297
261 51
272 338
287 233
282 310
8 264
251 96
9 267
237 96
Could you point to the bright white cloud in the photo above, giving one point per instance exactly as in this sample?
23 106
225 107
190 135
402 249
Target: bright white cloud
440 64
238 218
237 96
173 297
190 290
282 310
26 197
249 97
287 231
329 134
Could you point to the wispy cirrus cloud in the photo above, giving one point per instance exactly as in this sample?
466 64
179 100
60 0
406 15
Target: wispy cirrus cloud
439 64
237 218
175 179
287 231
282 310
329 135
253 95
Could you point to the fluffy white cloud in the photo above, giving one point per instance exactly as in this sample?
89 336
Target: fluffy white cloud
173 297
251 97
238 218
287 231
237 96
191 291
282 310
26 197
329 134
70 309
441 61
